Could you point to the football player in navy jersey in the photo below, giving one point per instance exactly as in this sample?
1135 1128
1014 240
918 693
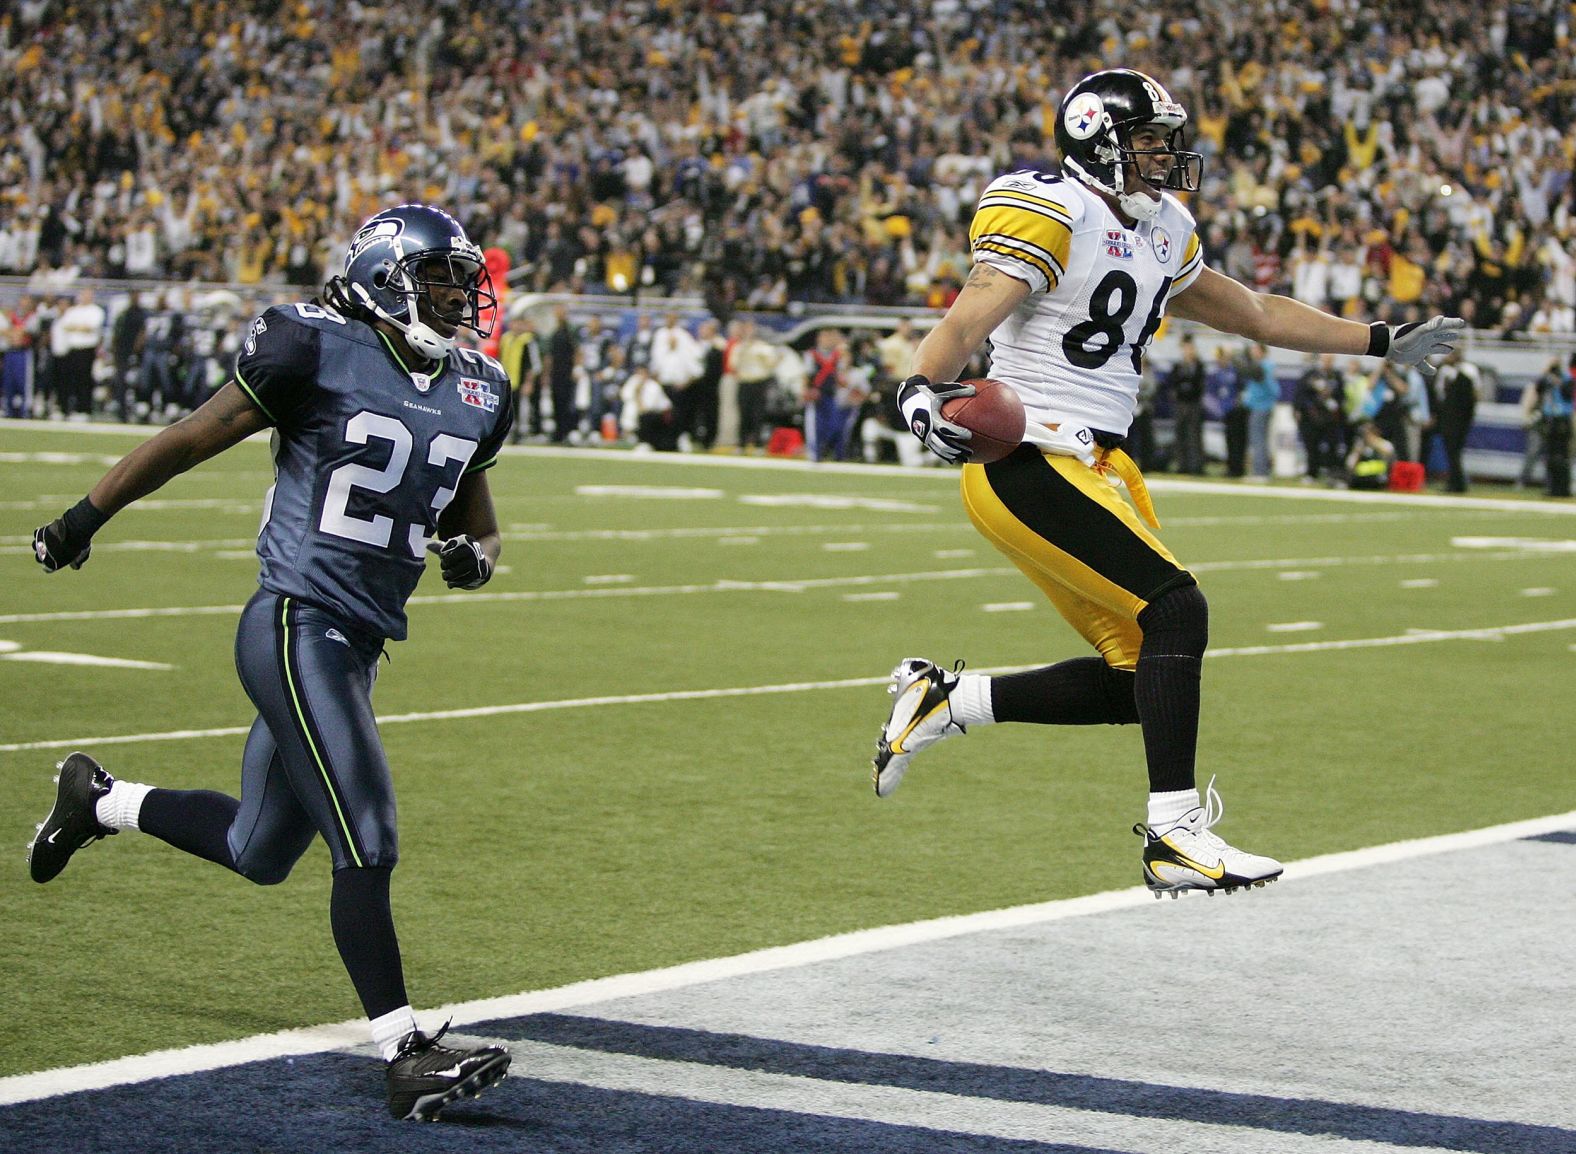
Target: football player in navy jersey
384 430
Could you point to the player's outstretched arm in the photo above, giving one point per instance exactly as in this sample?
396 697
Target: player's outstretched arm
1222 303
228 418
468 542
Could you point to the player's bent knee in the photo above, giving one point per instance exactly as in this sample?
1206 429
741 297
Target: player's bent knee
264 873
1179 618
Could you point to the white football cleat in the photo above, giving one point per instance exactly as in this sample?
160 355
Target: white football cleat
1188 855
920 717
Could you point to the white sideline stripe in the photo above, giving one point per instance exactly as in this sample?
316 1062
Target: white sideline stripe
347 1035
790 585
1412 637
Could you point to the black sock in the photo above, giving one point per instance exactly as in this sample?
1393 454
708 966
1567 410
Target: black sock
364 932
1082 691
195 820
1167 688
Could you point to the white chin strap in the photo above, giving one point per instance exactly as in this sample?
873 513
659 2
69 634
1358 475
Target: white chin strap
1138 206
423 340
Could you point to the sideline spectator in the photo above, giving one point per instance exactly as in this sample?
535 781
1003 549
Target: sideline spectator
1185 383
1457 382
75 339
1368 463
1557 417
16 361
520 353
126 340
1260 395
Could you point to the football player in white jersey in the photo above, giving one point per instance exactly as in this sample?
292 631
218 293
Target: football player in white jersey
1073 275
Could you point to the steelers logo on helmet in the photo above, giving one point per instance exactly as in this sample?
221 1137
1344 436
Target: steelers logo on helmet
1085 116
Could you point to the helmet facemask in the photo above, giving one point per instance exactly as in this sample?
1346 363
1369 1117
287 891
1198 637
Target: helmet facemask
427 281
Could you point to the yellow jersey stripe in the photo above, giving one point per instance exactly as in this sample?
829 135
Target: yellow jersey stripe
1038 230
1029 259
1014 206
1016 245
1029 198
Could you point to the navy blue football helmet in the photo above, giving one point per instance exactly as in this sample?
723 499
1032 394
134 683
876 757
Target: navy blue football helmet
414 253
1094 129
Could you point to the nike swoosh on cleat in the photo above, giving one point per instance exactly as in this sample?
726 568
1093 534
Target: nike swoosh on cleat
51 838
1214 872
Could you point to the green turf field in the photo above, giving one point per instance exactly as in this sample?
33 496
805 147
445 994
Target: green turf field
604 835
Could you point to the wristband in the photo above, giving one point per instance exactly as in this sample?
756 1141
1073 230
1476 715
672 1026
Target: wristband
1378 339
83 520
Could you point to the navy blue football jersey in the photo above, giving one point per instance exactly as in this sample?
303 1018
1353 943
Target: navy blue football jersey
367 453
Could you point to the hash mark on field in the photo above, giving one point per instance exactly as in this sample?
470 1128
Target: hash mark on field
888 595
952 554
1539 591
846 546
1007 606
1294 627
738 540
608 578
1420 583
1301 575
658 492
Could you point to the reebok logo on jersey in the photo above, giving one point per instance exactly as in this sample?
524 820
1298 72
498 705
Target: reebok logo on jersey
478 394
1118 245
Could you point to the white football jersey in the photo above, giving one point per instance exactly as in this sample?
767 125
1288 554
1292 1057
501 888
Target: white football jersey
1098 290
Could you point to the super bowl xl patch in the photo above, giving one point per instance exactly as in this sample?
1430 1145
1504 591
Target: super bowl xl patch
478 393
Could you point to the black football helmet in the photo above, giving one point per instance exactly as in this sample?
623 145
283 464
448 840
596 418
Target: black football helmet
1094 129
400 256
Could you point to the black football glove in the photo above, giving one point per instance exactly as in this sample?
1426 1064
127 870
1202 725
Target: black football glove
68 539
465 564
920 402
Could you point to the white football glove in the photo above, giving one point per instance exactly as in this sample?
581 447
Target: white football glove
1412 344
920 402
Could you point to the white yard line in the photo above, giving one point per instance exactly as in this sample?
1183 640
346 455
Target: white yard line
348 1035
1414 637
783 585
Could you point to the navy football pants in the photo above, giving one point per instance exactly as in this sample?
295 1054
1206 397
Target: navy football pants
314 762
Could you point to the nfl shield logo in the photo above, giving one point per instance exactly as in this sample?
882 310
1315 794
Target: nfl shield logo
422 381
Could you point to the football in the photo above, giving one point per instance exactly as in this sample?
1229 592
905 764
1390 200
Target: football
994 414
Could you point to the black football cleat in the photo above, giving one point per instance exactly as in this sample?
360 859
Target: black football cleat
424 1077
72 823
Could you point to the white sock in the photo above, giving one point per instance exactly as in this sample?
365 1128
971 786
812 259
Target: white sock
971 703
390 1029
122 805
1166 809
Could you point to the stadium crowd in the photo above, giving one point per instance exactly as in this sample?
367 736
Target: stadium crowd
1389 160
1401 158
